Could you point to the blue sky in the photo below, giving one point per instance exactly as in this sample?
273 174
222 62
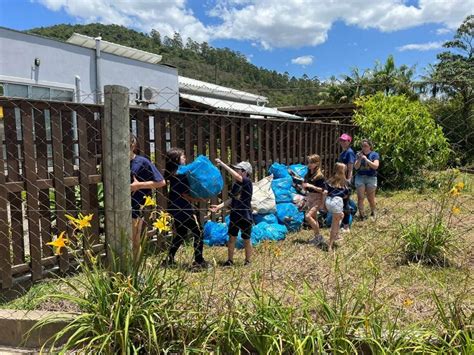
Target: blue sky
313 37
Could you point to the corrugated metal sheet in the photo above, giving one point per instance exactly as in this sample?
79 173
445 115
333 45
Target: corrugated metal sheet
232 106
113 48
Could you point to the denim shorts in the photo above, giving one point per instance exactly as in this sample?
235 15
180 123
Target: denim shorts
365 180
334 204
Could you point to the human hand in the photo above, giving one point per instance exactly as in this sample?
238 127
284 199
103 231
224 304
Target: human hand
135 185
214 208
218 162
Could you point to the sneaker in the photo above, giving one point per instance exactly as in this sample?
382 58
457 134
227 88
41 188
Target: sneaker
345 229
318 240
168 263
228 263
247 262
373 216
200 265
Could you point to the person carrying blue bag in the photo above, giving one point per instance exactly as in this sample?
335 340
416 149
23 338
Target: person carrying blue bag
180 206
347 157
241 218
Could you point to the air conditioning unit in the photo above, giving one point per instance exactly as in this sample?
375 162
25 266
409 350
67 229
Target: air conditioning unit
149 94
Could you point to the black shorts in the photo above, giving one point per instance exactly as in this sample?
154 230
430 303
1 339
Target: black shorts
245 227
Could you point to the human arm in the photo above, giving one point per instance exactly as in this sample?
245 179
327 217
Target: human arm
235 175
145 185
215 208
311 187
350 167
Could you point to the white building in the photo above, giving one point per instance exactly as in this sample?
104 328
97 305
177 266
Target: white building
37 67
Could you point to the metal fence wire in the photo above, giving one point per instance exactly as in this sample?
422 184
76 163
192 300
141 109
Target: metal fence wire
51 167
51 159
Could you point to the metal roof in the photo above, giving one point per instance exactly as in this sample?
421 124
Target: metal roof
232 106
193 86
113 48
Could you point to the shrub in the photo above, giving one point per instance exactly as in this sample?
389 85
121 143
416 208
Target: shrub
404 134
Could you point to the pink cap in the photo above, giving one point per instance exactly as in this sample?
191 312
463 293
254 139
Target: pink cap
345 137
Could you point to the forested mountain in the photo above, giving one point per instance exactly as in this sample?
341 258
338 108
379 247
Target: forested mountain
202 61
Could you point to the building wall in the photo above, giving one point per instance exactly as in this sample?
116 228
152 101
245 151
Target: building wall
61 62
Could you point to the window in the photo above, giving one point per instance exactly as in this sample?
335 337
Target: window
16 90
36 92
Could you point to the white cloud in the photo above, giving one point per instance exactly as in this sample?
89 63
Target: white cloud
421 46
443 31
303 60
268 23
166 16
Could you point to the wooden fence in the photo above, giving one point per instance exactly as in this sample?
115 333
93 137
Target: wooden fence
50 155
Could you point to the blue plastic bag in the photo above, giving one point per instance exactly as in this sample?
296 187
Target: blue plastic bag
299 169
215 233
278 171
269 218
205 180
277 231
289 215
283 190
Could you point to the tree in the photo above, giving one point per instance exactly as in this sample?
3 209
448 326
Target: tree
404 133
454 74
156 37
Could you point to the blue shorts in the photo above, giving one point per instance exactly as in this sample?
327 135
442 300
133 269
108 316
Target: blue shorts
369 182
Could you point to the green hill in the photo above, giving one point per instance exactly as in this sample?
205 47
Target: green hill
201 61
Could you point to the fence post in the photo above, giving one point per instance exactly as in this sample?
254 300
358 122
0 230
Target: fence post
116 176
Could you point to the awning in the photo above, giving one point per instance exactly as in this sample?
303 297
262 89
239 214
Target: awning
232 106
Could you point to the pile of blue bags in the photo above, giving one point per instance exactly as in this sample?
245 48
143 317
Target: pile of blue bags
270 226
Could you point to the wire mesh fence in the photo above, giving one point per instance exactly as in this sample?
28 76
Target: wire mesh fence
52 179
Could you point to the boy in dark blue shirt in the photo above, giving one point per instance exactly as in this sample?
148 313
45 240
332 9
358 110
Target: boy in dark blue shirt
144 177
347 157
241 209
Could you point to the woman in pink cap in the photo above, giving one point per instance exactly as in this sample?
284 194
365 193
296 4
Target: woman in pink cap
348 158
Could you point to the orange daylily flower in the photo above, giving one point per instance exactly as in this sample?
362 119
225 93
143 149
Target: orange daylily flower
59 243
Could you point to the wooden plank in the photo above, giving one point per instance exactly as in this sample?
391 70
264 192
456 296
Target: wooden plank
233 142
224 158
260 150
39 119
201 149
267 146
274 129
288 159
32 202
252 143
68 164
213 152
60 189
139 120
281 146
306 141
173 130
294 143
160 151
84 168
92 140
13 170
301 134
5 257
243 139
188 144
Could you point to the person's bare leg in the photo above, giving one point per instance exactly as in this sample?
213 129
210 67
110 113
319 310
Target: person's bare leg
371 198
137 225
248 250
231 248
360 200
336 221
310 217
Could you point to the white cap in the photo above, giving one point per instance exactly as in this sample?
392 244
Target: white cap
245 166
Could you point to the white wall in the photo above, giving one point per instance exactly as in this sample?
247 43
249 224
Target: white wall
61 62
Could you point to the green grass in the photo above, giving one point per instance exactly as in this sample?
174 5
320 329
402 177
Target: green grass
295 298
